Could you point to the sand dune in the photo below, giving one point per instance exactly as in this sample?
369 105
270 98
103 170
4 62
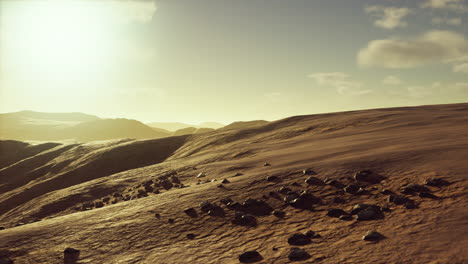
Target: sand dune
123 201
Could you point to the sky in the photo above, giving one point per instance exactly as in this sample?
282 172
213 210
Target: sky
217 60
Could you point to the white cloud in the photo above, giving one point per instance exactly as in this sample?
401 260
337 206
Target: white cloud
453 5
461 68
389 17
341 82
456 21
391 80
432 47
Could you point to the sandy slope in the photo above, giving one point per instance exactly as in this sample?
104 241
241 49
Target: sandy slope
404 145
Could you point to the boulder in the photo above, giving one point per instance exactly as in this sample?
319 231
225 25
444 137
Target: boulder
191 212
298 254
70 255
256 207
436 182
250 257
372 236
335 212
299 240
314 181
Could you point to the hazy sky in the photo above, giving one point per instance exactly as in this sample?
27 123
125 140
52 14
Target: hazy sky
219 60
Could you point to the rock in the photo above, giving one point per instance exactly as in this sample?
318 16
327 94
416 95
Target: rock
221 186
296 184
266 164
234 206
201 174
274 195
272 178
367 176
157 215
398 199
206 206
284 190
70 255
308 172
5 260
244 219
156 191
238 174
226 200
304 201
311 234
427 195
291 196
148 183
279 213
413 188
190 236
106 199
166 184
372 236
386 192
216 211
256 207
225 181
1 227
346 217
170 220
370 213
335 212
334 183
117 195
436 182
361 207
250 257
99 204
299 240
298 254
410 205
314 181
191 212
175 179
352 188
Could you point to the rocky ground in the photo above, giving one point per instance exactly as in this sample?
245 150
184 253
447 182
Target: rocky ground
375 186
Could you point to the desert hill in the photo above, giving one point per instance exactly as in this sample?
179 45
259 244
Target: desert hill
37 126
251 189
174 126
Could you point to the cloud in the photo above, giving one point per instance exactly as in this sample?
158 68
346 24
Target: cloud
448 21
389 17
140 11
461 68
453 5
340 81
432 47
391 80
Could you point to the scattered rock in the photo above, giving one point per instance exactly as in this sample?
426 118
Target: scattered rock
243 219
386 192
314 181
250 257
190 236
338 200
410 205
290 197
216 211
234 206
436 182
398 199
226 200
201 174
334 183
170 220
5 260
191 212
413 188
370 213
225 181
296 184
238 174
335 212
117 195
175 179
299 240
70 255
284 190
304 201
367 176
256 207
311 234
166 184
1 227
272 178
206 206
308 171
372 236
220 186
352 188
427 195
266 164
298 254
274 195
98 204
361 207
346 217
157 215
279 213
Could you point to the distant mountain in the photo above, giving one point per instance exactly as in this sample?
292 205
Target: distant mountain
192 130
174 126
29 125
244 124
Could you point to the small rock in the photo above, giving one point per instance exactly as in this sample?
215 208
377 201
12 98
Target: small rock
413 188
274 195
436 182
1 227
279 213
166 184
220 186
335 212
298 254
244 219
225 181
346 217
367 176
256 207
410 205
250 257
70 255
157 215
299 240
226 200
296 184
191 212
238 174
386 192
190 236
117 195
175 179
217 211
284 190
201 174
266 164
398 199
206 206
106 199
272 178
334 183
352 188
311 234
427 195
370 213
170 220
291 196
314 181
372 236
308 171
5 260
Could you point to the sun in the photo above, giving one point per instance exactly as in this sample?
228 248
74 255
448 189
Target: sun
55 39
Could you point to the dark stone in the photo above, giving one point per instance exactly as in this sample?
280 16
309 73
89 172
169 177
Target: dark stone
314 181
335 212
361 207
191 212
279 213
148 183
266 164
256 207
334 183
338 200
149 189
156 191
234 206
346 217
413 188
99 204
304 201
166 184
284 190
427 195
226 200
398 199
370 213
157 215
225 181
372 236
291 196
367 176
298 254
117 195
296 184
299 240
70 255
106 199
250 257
220 186
308 172
311 234
352 188
386 192
206 206
238 174
410 205
175 179
190 236
217 211
170 220
436 182
1 227
5 260
272 178
274 195
243 219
